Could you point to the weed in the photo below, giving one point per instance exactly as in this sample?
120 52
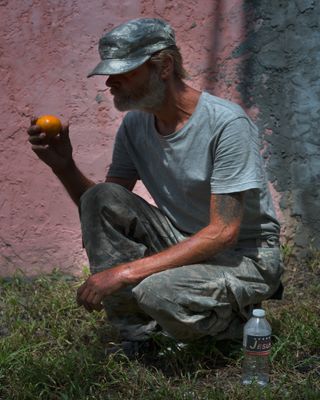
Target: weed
51 349
314 261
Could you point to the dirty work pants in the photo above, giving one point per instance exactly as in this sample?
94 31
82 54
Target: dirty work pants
188 302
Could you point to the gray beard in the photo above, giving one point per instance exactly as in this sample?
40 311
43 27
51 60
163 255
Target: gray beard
151 98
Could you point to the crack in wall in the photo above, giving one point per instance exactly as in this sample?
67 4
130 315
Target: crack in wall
278 75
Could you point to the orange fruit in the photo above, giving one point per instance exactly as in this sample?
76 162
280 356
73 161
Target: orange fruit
50 124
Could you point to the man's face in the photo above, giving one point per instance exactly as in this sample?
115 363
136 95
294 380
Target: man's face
140 89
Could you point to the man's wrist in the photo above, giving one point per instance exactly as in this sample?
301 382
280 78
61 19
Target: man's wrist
127 274
63 169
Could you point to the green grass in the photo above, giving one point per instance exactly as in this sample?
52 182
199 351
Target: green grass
50 349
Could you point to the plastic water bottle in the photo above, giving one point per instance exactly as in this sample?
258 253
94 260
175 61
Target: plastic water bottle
256 346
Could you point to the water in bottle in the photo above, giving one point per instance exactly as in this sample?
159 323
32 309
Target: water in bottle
256 346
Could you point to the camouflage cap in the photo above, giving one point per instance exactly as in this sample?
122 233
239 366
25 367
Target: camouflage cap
129 45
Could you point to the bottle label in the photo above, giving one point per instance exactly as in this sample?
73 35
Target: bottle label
258 344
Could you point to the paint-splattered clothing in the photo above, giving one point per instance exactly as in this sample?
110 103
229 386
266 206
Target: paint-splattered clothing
211 298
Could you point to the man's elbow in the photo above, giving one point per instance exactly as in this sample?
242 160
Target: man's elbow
229 236
223 238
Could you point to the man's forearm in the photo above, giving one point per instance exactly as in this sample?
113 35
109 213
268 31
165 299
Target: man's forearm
74 181
198 248
220 234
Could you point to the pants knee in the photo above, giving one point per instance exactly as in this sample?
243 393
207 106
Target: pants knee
149 293
101 191
185 312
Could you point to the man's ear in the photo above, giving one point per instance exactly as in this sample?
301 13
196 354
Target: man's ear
167 67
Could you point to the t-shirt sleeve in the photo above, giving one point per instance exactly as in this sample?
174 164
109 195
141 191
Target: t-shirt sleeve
237 164
122 165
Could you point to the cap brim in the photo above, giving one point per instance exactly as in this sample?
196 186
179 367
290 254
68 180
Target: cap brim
116 66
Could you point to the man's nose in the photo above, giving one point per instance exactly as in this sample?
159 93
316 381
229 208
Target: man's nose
112 81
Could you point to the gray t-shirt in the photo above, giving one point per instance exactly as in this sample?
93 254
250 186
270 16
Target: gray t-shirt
216 151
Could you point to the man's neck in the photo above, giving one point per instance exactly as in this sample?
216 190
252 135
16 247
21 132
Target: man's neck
180 103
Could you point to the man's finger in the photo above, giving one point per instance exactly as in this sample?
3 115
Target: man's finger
39 139
79 294
33 120
97 299
86 296
64 133
91 297
98 307
81 289
34 130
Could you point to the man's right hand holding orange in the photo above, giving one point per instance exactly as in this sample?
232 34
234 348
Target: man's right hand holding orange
53 150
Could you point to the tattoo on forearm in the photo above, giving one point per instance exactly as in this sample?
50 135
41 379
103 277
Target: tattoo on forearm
229 206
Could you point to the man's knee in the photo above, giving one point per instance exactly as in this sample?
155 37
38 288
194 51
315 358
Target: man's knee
175 292
102 192
186 313
108 207
103 196
151 293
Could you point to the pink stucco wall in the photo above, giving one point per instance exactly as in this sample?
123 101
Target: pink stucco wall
47 49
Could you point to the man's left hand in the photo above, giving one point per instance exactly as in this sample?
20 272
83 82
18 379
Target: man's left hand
98 286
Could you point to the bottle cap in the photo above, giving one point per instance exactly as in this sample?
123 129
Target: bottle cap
258 312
